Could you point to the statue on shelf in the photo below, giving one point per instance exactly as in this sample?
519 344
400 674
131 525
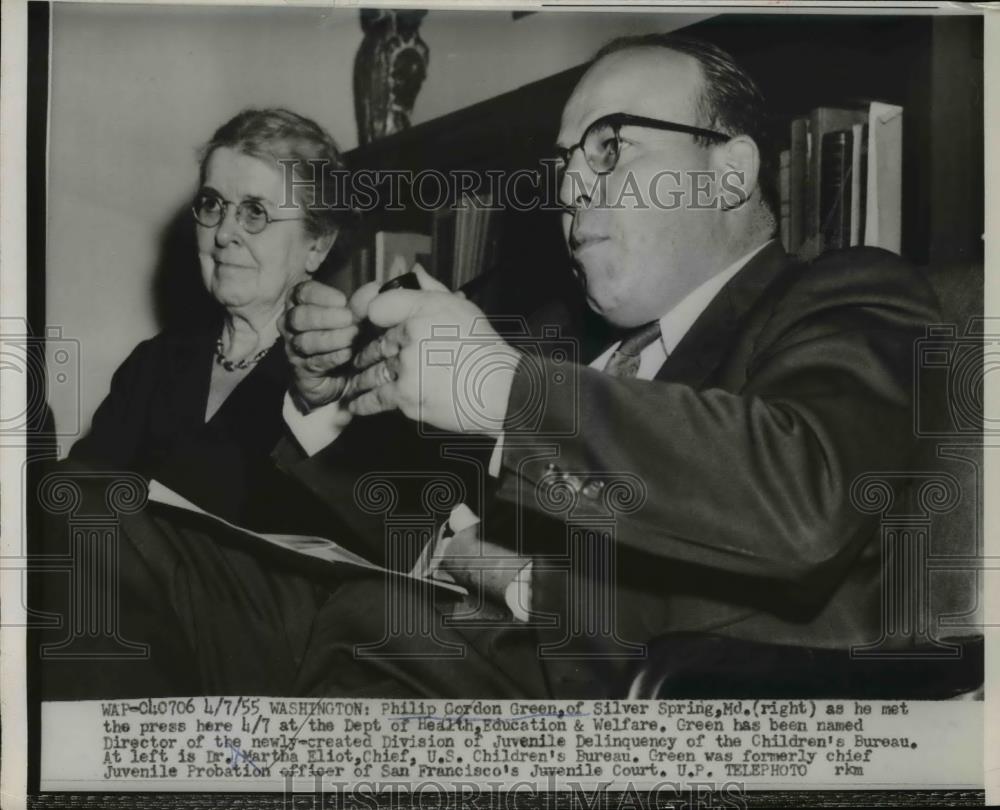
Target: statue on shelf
389 70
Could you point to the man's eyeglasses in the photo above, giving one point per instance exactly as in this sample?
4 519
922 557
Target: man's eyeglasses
601 141
210 209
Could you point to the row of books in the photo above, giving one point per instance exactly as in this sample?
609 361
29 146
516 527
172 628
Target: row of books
390 254
461 245
840 180
465 239
840 185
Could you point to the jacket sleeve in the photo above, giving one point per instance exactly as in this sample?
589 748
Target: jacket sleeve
754 479
382 471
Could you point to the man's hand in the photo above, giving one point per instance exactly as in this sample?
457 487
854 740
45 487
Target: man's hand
439 361
319 327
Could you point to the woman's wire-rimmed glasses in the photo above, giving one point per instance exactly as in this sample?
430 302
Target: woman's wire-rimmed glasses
210 209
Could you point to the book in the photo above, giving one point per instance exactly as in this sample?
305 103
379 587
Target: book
863 187
443 246
464 240
859 173
362 267
821 121
462 228
883 216
798 175
868 210
835 183
784 197
482 223
397 251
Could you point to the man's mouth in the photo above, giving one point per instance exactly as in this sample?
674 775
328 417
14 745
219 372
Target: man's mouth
579 243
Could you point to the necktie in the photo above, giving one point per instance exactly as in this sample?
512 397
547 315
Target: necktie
625 361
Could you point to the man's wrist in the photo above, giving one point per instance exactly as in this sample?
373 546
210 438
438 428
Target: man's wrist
517 594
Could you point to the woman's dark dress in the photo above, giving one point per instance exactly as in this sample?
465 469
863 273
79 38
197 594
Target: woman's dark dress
153 422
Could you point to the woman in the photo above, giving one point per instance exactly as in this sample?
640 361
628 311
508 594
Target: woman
200 410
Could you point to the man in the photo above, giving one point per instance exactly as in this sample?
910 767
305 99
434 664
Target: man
748 395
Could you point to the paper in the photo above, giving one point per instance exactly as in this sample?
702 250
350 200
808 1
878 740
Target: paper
311 546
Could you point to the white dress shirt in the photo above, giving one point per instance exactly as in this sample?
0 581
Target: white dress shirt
317 429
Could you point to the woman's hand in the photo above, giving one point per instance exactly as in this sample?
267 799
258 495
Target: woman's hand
319 327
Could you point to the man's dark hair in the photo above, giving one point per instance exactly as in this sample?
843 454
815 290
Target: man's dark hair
730 101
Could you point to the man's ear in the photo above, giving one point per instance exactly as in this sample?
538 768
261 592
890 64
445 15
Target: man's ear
738 165
318 251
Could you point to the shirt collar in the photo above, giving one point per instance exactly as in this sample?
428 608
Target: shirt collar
681 317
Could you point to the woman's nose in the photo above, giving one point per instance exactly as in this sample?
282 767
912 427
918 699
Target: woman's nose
228 229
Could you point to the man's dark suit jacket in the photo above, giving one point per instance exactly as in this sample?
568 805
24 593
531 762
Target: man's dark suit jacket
796 379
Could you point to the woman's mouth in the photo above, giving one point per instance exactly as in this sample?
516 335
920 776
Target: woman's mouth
228 265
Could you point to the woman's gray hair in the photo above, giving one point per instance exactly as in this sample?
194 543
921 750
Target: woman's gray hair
281 135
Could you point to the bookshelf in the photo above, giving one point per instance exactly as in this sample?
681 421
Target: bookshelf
931 66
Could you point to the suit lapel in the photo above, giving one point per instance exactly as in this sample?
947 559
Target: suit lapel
708 340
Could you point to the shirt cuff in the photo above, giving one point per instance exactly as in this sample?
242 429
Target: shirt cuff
517 595
318 428
436 550
497 458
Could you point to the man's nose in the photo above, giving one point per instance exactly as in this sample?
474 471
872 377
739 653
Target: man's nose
581 185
